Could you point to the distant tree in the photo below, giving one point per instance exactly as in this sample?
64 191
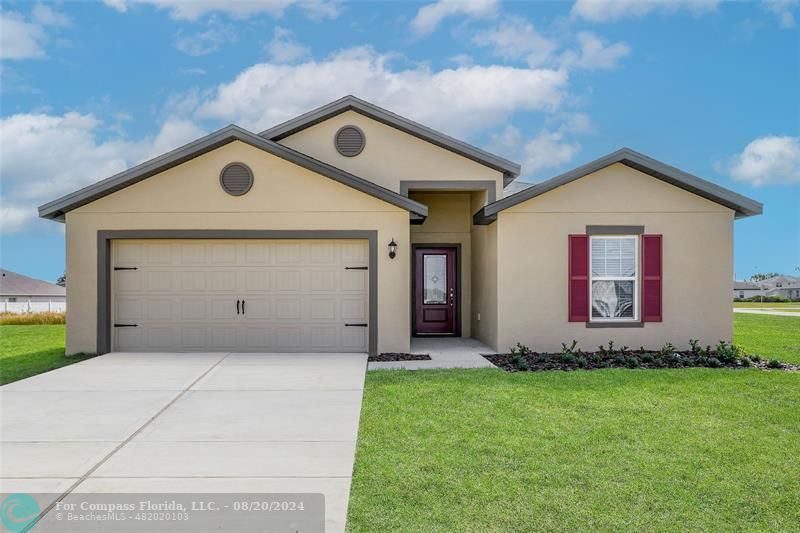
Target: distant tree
62 279
762 277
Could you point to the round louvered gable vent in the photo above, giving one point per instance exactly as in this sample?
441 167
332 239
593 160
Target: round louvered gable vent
236 179
350 141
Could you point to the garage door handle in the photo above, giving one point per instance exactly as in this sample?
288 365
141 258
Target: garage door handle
237 307
356 268
359 325
126 325
242 306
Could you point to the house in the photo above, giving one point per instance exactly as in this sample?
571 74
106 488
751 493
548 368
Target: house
21 294
351 228
745 289
781 286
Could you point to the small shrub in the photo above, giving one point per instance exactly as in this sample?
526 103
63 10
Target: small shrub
520 350
647 358
565 350
520 362
666 350
633 362
620 360
568 359
774 363
728 352
582 362
712 362
32 319
755 358
745 361
695 344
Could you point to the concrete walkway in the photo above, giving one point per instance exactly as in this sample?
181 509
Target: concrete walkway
211 422
776 312
445 352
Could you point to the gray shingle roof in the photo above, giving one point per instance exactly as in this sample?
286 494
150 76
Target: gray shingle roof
13 284
744 285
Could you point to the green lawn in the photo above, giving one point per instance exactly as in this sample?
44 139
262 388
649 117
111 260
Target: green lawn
632 450
771 337
29 350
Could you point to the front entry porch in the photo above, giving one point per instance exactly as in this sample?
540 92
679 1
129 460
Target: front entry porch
445 352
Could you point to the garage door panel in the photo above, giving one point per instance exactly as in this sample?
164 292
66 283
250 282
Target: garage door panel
257 280
353 339
193 280
183 295
354 280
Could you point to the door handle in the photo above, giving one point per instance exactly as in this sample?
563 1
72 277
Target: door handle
243 302
237 307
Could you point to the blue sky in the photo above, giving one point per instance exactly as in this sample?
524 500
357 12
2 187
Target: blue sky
89 89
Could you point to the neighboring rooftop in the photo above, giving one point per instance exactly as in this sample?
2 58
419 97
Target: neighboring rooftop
744 286
13 284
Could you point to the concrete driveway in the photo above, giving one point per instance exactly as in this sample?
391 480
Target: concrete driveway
170 422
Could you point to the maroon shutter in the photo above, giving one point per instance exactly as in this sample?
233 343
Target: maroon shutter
651 278
578 278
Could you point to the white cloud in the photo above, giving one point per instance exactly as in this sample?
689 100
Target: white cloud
284 49
208 41
612 10
46 16
768 160
514 38
430 16
459 100
549 149
20 39
594 53
45 156
240 9
26 39
784 9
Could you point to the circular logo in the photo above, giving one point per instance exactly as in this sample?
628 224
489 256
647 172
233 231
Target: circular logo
18 510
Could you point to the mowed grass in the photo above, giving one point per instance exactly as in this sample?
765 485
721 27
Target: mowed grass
771 337
632 450
29 350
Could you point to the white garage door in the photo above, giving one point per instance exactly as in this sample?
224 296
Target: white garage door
240 295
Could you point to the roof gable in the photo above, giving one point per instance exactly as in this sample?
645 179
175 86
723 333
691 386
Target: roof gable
509 169
12 283
57 208
742 205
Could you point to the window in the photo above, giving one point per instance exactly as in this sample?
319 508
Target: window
741 294
434 279
614 275
12 299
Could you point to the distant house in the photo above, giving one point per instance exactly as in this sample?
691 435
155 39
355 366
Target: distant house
21 294
777 286
745 289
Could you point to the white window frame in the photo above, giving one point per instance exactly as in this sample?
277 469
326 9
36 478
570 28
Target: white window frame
635 279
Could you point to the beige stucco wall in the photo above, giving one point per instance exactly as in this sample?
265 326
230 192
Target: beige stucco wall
284 196
449 222
484 280
532 261
389 155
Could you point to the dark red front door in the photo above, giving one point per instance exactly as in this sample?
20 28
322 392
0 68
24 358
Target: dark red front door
435 292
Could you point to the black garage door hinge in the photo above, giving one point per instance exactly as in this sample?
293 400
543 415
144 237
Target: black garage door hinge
359 325
126 325
125 268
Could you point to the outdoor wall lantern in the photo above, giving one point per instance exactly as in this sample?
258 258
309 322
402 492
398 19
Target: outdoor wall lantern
392 249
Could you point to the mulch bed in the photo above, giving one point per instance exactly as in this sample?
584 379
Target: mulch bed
580 360
391 356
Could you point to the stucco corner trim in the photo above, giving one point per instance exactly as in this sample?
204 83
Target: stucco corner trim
105 238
